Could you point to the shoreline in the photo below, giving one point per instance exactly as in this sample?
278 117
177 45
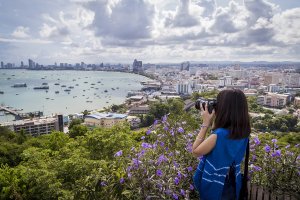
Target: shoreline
65 112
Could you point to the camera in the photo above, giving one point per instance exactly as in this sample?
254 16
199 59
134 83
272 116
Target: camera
211 104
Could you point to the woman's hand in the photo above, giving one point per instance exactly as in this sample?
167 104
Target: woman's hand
206 116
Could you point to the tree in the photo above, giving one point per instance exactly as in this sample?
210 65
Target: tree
75 122
78 130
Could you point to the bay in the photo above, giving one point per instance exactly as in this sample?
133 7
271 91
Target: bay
89 93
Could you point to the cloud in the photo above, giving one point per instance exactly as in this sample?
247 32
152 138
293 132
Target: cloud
230 19
260 9
287 26
182 16
48 31
209 7
21 32
122 19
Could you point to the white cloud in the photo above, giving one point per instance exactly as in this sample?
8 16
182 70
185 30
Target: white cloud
21 32
122 19
287 25
182 16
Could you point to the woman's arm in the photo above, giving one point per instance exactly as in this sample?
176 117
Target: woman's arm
201 145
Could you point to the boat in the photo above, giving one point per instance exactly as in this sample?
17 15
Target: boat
99 82
117 88
71 87
17 85
63 86
1 92
56 92
92 83
44 83
67 90
77 85
85 82
17 94
74 79
41 88
113 88
56 83
47 98
8 78
105 90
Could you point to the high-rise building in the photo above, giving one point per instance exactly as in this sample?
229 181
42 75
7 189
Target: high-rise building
185 66
31 64
137 66
2 64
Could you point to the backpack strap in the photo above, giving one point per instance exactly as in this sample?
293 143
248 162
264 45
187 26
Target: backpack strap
244 189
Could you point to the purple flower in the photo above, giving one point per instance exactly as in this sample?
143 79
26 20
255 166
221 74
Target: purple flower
274 140
256 168
277 153
164 118
191 187
190 168
180 130
267 148
287 146
132 149
161 159
155 122
175 164
168 192
103 183
129 175
166 128
122 180
136 162
297 145
172 132
159 172
190 135
256 140
159 186
179 175
143 137
119 153
176 180
162 144
175 196
148 131
182 192
254 157
146 145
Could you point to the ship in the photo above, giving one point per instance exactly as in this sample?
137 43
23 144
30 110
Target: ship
41 88
17 85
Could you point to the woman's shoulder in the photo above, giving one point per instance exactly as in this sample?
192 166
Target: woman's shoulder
220 131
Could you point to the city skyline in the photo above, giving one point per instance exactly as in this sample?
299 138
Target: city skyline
150 30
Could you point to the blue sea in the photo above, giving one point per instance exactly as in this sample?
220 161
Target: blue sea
89 90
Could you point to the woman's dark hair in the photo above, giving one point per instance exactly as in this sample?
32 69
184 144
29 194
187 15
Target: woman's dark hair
232 113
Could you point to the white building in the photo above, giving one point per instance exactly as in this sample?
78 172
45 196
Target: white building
184 88
273 88
225 81
104 119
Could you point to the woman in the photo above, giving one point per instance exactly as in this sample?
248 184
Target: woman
225 147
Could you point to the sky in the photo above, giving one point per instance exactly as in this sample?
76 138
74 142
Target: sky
154 31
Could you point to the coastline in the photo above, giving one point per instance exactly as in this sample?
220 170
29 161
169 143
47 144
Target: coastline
88 107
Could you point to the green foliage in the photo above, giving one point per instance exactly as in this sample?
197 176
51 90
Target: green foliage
75 122
78 130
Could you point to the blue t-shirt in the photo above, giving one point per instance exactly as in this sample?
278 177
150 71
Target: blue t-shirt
211 172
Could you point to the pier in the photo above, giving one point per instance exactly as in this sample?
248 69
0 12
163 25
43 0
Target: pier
18 115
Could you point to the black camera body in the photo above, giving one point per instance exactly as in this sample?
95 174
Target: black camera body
211 104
